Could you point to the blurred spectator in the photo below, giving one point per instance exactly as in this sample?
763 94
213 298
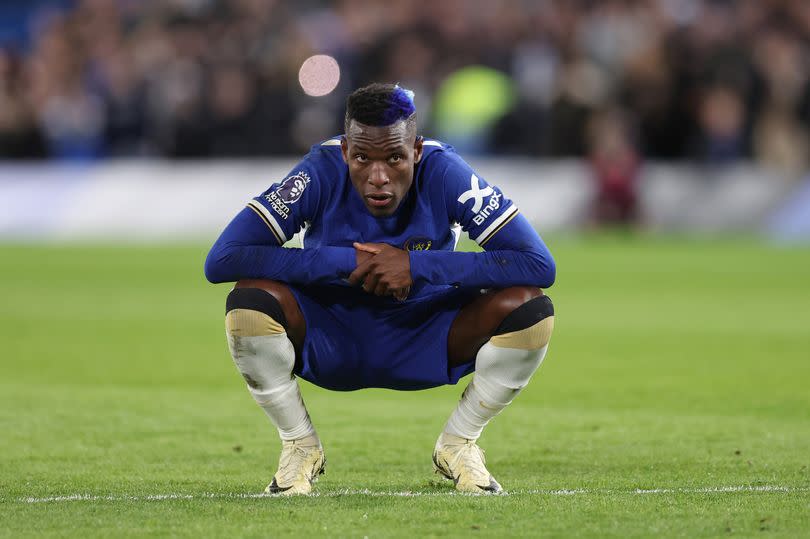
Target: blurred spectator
19 135
582 88
721 120
716 80
779 139
615 165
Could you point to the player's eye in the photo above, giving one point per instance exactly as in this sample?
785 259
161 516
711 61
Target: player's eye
395 158
360 157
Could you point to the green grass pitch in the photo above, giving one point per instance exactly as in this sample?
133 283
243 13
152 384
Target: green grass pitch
675 401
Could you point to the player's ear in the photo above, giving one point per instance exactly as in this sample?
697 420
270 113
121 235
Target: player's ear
417 149
344 148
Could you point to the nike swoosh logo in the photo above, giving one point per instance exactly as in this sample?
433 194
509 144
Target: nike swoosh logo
316 471
442 469
492 487
274 488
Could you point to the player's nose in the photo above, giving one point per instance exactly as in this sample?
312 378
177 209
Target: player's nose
377 176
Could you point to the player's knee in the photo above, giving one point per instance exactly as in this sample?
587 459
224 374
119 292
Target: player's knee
528 326
250 312
509 299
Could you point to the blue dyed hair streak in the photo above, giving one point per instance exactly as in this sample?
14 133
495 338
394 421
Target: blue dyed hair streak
379 104
400 106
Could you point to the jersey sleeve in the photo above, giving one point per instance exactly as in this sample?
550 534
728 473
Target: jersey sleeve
246 249
250 247
481 209
287 205
514 254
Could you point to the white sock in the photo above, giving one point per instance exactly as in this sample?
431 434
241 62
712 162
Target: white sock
500 374
266 362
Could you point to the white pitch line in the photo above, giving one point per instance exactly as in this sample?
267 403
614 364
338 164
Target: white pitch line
719 490
411 494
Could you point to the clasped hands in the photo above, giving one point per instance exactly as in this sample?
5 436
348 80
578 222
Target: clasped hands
382 270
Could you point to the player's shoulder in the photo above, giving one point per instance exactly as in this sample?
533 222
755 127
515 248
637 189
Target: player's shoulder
324 158
438 152
313 177
329 147
439 158
443 170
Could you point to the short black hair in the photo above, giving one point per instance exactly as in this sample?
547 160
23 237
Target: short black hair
380 104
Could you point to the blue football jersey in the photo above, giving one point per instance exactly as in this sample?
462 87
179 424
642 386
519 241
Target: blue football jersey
355 339
446 196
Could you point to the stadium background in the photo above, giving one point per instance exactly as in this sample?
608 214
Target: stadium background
662 148
667 113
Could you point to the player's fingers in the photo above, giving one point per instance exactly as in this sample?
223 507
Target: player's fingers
381 289
371 282
367 247
401 294
359 274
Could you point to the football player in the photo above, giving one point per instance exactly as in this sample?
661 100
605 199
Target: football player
377 296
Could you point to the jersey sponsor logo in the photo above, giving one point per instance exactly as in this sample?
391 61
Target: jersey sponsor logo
493 204
417 243
292 188
476 194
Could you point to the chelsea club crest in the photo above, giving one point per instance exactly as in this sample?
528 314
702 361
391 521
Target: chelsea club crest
417 243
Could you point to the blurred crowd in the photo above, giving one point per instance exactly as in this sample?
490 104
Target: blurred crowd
618 81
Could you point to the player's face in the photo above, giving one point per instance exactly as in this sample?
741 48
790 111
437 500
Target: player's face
381 162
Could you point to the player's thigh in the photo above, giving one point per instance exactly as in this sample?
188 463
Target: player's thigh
296 325
477 321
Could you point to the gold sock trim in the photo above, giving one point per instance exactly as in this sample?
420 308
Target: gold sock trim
250 323
530 338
